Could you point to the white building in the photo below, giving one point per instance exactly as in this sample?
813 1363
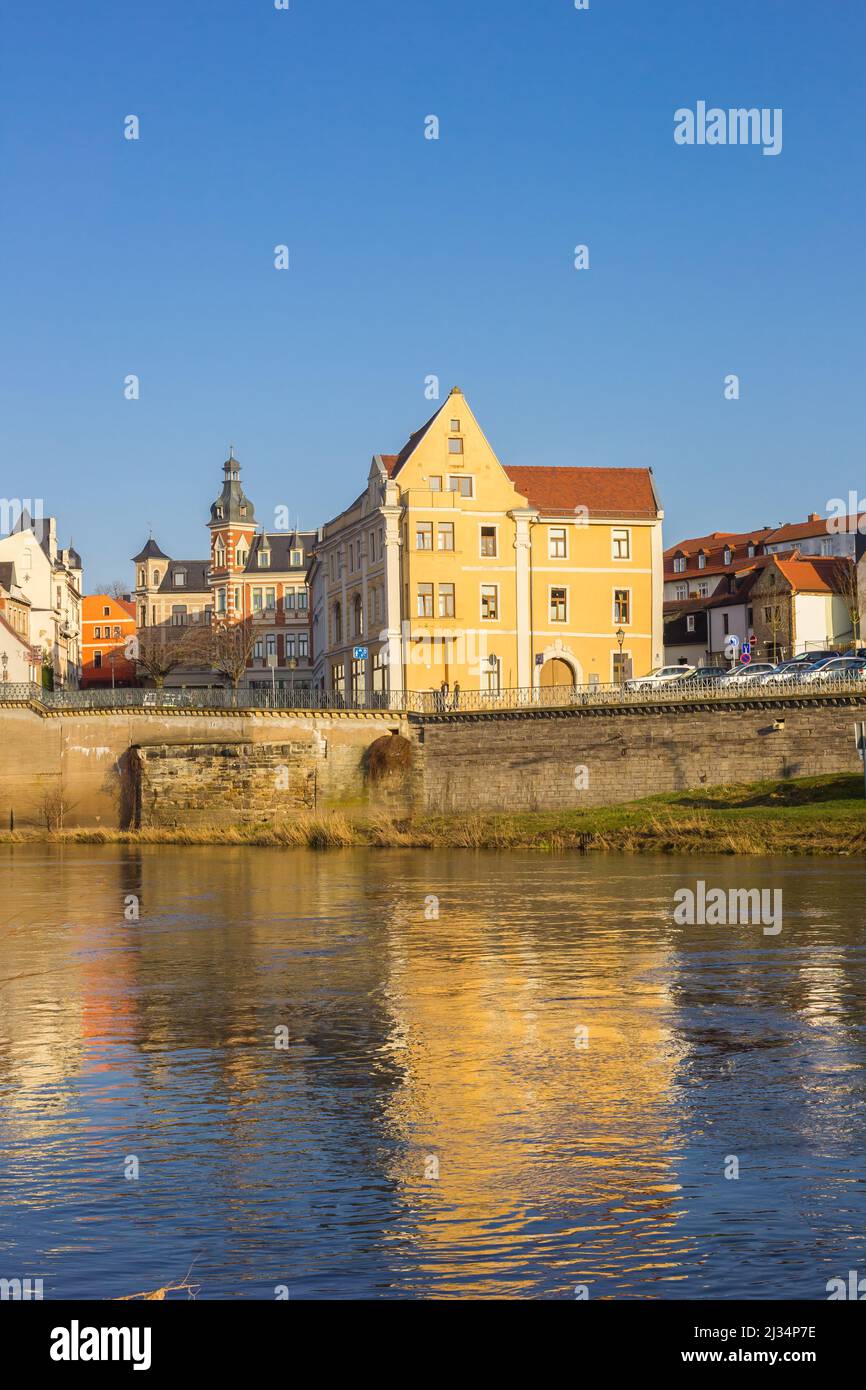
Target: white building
50 579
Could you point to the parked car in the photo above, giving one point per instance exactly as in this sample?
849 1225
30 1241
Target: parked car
662 675
812 658
744 675
786 670
837 668
705 673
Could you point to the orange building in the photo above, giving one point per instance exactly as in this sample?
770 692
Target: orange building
107 625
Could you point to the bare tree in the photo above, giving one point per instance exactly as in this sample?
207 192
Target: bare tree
157 651
844 581
230 647
114 589
776 602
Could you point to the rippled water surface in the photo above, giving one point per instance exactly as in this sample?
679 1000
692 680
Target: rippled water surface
434 1126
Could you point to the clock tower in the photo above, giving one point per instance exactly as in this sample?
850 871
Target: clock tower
232 527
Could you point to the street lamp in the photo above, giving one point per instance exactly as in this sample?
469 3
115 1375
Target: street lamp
620 637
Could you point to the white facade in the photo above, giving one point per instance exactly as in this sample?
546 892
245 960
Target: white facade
15 655
820 620
51 580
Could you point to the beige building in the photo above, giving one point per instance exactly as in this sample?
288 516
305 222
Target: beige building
453 569
48 581
253 576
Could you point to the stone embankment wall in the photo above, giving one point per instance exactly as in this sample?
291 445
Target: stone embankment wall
113 769
159 768
572 759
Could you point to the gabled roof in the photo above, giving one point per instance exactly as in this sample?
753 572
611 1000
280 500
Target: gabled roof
626 492
814 574
394 462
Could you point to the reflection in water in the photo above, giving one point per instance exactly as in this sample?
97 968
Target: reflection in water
538 1089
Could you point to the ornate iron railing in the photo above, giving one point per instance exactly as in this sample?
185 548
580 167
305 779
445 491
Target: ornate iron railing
433 703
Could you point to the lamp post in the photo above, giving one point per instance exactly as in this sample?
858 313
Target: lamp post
293 666
620 637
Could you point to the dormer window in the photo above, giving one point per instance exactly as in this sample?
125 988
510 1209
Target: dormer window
243 510
728 555
219 513
751 551
179 578
702 560
297 559
264 559
679 564
241 556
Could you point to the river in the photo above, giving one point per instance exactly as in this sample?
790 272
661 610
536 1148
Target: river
417 1074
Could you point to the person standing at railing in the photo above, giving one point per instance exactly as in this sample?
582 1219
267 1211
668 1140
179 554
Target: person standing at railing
455 699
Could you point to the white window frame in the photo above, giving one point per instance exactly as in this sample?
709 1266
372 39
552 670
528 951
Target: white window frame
481 616
621 589
489 526
550 618
615 532
446 550
460 479
550 552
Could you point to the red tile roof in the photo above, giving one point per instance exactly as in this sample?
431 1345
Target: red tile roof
814 574
603 491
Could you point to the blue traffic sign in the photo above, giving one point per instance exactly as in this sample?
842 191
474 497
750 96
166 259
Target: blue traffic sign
360 653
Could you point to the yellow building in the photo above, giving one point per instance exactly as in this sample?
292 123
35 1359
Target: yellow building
453 569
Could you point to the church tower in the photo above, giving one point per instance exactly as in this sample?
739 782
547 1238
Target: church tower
232 527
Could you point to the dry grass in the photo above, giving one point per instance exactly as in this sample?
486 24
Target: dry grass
816 816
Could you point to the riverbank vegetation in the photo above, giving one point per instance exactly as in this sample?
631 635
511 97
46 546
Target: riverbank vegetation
813 815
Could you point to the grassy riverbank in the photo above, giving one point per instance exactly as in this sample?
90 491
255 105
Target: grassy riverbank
813 815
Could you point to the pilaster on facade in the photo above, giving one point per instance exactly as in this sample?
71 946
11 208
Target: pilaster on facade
523 518
392 513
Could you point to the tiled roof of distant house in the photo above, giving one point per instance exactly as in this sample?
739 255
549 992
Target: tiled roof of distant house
814 574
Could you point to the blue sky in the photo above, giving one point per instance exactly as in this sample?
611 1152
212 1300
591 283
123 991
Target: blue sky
412 257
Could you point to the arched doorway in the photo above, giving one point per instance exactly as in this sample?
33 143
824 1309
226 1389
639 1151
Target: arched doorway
556 672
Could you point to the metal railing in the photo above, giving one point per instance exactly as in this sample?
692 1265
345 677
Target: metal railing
631 694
